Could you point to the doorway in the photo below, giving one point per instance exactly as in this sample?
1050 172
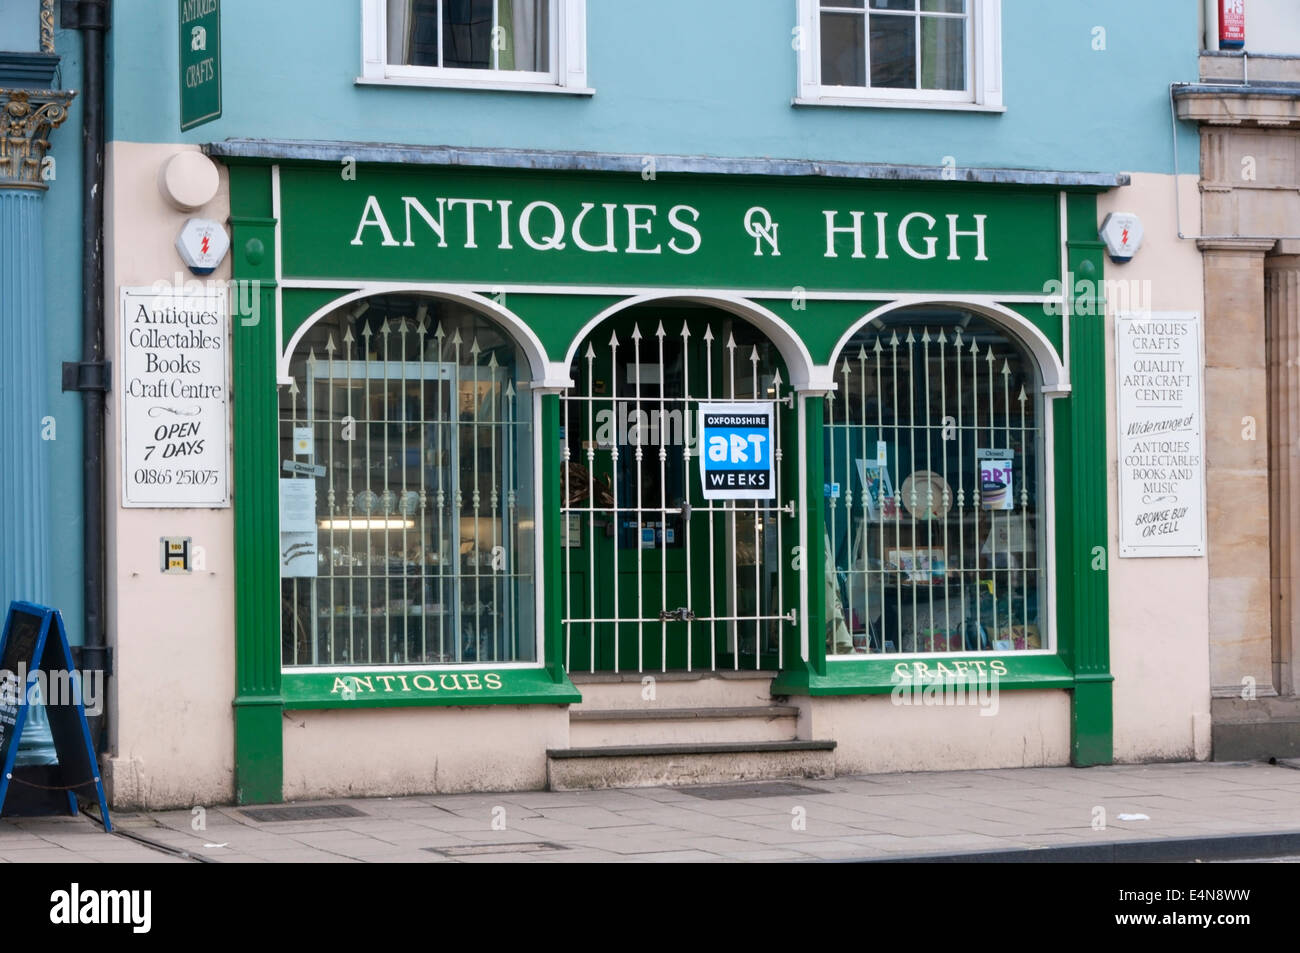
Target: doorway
656 576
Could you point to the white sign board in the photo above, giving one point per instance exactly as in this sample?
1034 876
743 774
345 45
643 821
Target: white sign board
736 446
172 375
1161 434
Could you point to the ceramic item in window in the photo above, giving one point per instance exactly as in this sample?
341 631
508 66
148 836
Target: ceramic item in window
367 502
388 502
926 495
409 504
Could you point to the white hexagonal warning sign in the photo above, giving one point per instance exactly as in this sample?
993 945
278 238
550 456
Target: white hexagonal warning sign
1122 233
203 244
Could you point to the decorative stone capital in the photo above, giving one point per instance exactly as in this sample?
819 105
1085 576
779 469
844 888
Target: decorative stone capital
27 117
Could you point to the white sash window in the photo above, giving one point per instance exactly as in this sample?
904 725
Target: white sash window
928 54
533 45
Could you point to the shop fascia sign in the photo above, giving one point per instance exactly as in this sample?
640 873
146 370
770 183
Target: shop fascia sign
478 227
647 229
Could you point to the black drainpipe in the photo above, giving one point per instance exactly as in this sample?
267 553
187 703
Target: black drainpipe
92 18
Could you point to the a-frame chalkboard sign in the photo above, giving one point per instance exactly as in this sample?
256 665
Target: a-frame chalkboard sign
35 643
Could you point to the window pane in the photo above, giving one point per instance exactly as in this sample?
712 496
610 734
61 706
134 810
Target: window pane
893 52
413 32
844 54
856 4
935 540
412 542
943 6
943 53
524 35
467 34
893 4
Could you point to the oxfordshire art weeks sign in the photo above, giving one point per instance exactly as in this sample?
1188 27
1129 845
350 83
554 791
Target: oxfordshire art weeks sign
1161 428
174 402
736 450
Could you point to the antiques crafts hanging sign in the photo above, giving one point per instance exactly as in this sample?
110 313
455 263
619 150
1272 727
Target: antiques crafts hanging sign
1161 428
174 401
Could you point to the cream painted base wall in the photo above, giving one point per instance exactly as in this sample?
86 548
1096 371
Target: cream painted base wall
875 735
1159 608
171 725
390 752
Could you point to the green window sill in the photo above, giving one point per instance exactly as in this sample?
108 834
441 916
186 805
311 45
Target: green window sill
380 688
880 676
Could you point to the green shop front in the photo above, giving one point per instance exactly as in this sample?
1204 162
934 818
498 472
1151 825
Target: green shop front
472 402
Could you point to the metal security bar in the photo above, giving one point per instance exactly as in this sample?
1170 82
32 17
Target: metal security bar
649 564
933 450
419 448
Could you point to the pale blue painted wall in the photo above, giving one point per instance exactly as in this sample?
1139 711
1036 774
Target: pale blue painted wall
685 77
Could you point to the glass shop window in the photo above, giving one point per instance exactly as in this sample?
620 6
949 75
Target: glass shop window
934 496
406 498
499 35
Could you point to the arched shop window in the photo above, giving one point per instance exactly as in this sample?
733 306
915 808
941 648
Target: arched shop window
935 504
407 525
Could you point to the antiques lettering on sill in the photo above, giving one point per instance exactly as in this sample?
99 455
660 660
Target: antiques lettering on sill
950 669
426 683
1161 444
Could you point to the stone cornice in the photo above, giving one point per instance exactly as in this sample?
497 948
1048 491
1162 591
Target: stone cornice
1266 106
1255 246
27 117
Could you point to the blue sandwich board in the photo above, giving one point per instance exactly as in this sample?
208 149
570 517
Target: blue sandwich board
35 642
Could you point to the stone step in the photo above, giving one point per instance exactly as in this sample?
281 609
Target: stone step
633 766
642 726
726 689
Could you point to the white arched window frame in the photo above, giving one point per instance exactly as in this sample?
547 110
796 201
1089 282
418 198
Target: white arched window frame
982 89
566 46
1042 365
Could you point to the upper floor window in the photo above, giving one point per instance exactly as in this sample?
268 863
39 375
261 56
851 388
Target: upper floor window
499 44
910 53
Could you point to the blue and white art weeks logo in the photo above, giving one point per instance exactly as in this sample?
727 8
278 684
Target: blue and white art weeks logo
76 906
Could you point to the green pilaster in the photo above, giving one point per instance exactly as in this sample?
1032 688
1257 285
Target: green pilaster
259 742
1088 614
553 563
814 565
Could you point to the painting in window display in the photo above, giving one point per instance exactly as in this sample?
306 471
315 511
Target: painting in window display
411 420
936 540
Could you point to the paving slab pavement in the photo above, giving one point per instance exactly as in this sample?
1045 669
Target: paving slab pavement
879 817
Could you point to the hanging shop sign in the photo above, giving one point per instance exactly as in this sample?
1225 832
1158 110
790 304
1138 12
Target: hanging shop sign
498 227
174 400
736 451
200 62
1161 434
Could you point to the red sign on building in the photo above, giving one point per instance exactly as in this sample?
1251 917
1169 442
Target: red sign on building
1232 24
